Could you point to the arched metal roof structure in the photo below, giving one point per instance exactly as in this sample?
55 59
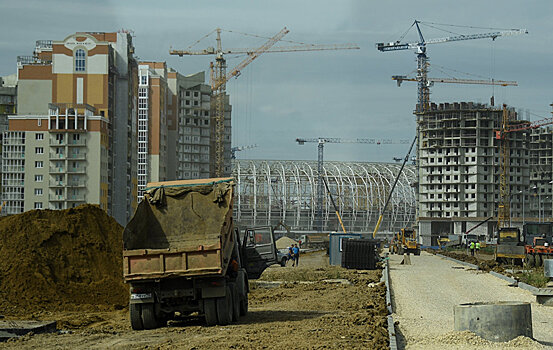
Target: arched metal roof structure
273 191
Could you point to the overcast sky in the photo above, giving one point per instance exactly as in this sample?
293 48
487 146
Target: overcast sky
348 94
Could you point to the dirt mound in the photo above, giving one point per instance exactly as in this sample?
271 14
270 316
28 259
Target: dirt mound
61 260
484 265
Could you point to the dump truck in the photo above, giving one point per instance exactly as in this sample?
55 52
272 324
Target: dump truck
183 254
509 247
405 241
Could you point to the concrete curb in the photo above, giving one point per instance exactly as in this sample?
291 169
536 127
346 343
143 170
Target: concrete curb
391 326
503 277
528 287
458 261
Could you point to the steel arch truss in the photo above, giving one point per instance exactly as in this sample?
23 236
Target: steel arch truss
269 192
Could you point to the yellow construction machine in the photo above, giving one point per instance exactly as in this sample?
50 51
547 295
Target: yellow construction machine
405 241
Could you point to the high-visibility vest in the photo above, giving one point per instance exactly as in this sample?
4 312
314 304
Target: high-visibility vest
471 245
477 245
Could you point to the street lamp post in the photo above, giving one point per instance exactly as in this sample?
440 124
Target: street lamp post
523 200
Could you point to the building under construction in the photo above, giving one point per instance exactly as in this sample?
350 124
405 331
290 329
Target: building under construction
459 169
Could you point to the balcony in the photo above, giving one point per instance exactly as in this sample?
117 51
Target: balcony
13 169
53 183
81 142
56 197
54 142
57 170
78 156
54 156
13 155
79 170
76 198
76 184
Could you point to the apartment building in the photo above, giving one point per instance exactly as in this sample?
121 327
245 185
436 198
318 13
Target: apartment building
75 124
539 195
190 130
56 161
459 169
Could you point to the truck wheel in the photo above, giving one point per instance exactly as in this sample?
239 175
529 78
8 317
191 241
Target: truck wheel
224 308
283 262
235 302
244 305
135 311
539 260
210 311
149 319
530 260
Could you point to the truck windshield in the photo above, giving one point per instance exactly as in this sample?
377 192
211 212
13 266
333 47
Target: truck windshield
538 229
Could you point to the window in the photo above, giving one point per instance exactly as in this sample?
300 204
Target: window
38 191
39 136
38 205
80 60
39 178
39 150
144 79
39 164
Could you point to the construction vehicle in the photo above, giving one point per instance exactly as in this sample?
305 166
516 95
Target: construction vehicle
405 242
538 239
182 254
540 249
509 247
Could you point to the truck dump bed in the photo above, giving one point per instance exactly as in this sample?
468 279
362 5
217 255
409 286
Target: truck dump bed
181 228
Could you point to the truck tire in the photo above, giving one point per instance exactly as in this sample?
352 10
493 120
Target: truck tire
244 305
235 302
530 260
135 311
224 308
149 319
210 311
283 261
539 260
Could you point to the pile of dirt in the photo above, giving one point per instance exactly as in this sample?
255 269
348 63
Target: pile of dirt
53 260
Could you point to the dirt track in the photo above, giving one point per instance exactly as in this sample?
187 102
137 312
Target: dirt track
295 315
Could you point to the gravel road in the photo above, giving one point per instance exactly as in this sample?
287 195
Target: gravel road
425 293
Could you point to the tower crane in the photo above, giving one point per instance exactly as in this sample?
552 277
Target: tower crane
423 96
504 209
219 77
321 142
235 149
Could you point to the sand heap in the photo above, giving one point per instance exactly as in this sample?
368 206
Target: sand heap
61 260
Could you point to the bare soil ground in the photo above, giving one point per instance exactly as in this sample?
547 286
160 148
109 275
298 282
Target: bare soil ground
317 315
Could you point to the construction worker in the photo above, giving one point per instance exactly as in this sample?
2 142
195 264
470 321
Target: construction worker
477 246
472 246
